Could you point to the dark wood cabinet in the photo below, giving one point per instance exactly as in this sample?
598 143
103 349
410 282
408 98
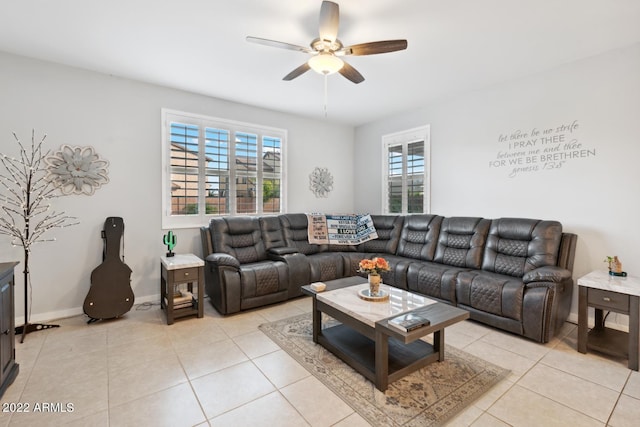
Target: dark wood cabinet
9 367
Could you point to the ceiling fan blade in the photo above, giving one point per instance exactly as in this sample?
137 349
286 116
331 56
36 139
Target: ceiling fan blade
281 45
373 48
329 21
297 72
351 73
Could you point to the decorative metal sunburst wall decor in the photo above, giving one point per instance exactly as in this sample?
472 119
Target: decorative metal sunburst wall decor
321 182
77 170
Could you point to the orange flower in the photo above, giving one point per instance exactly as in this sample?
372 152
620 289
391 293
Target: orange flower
373 266
381 264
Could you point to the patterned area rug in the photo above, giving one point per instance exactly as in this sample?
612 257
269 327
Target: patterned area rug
427 397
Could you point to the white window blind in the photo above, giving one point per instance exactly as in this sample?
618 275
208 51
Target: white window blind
218 167
184 169
406 185
216 171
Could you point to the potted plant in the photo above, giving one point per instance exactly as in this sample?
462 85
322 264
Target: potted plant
615 266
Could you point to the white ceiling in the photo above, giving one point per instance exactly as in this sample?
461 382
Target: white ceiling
199 45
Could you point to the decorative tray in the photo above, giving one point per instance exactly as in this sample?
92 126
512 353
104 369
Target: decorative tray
366 295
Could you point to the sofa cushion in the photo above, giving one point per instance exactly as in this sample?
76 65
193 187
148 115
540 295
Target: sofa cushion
461 241
388 228
262 278
350 262
239 237
419 237
263 283
516 246
326 266
493 293
296 234
271 232
433 280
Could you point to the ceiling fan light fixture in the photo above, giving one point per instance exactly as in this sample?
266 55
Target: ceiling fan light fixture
325 63
327 49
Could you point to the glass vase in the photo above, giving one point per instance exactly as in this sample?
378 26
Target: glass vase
374 284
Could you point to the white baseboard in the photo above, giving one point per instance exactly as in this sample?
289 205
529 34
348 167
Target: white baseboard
54 315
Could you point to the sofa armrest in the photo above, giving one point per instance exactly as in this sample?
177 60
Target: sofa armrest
547 301
547 274
285 250
220 260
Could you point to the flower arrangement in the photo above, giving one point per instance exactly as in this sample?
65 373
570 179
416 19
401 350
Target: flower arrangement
373 266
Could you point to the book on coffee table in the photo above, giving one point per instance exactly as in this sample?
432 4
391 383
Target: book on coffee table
409 321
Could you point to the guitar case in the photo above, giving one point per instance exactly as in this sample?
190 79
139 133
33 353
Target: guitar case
110 294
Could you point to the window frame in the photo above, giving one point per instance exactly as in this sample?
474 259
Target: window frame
404 138
203 122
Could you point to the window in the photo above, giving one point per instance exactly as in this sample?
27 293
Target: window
219 167
406 183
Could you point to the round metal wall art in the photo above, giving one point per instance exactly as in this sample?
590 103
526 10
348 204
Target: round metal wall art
77 170
321 182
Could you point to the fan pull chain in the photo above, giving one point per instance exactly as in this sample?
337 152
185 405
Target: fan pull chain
326 95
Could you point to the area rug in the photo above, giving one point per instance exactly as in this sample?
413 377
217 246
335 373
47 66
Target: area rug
427 397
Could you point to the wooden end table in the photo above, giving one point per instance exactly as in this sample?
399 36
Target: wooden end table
176 270
602 291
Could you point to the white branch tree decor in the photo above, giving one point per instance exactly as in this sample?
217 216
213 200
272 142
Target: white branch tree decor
25 215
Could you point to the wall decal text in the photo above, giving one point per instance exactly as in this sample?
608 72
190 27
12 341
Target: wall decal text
539 149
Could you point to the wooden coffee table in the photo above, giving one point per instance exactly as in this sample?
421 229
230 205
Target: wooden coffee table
365 341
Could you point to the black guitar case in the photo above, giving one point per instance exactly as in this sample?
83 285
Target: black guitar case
110 294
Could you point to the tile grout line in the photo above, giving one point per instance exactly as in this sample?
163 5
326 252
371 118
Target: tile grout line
618 399
277 389
35 361
184 371
542 363
584 379
564 405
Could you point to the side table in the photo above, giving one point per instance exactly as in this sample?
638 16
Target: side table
602 291
175 271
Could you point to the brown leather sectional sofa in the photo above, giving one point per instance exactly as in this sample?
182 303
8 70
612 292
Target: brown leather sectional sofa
511 273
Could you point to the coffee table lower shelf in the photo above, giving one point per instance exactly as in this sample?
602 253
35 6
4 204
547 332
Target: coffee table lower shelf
359 352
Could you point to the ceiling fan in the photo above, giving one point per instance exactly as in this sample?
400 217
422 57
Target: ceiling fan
327 49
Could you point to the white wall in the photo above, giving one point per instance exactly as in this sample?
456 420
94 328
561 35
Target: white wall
595 197
121 120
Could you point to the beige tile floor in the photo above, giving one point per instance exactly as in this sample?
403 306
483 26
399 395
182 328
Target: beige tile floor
222 371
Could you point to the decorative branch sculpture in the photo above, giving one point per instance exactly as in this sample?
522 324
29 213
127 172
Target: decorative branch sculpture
24 215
